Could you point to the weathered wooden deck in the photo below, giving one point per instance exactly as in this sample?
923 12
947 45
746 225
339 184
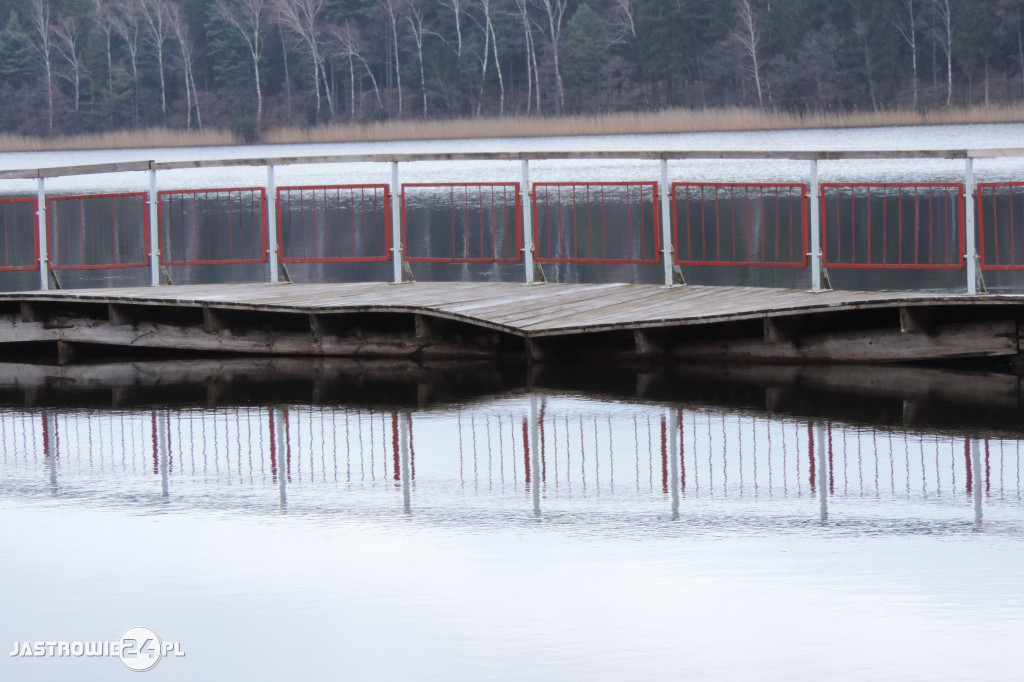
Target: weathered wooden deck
549 321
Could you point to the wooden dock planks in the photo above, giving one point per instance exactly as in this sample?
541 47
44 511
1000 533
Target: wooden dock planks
527 310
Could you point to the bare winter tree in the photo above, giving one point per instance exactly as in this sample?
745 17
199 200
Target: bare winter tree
532 73
944 38
414 14
179 29
622 19
102 13
748 34
301 18
555 12
125 20
42 34
905 20
248 17
349 46
393 11
491 38
287 78
65 39
860 28
458 8
154 19
1020 49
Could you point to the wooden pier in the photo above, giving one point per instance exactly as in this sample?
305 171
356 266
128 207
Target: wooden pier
543 323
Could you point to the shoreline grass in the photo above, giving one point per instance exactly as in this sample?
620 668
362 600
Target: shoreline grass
663 122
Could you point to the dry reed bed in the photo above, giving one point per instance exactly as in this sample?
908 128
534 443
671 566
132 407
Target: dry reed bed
668 121
121 139
671 121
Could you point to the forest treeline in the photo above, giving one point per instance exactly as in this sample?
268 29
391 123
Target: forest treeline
84 66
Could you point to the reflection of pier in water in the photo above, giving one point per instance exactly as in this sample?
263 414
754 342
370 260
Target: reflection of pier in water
555 449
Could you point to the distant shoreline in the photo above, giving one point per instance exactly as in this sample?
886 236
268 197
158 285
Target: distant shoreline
659 122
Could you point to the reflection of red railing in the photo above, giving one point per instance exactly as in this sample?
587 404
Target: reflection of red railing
213 226
20 245
462 222
1000 215
334 224
591 445
740 224
893 225
97 231
596 222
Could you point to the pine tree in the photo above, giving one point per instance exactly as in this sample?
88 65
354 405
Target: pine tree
18 65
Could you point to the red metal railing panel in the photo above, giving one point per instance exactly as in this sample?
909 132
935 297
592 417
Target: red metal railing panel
740 224
1000 217
19 238
462 222
97 231
213 226
596 222
893 225
334 223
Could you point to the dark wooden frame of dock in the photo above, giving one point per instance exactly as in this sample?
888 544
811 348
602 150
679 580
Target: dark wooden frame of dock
539 323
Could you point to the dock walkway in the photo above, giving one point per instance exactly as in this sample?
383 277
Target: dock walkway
470 319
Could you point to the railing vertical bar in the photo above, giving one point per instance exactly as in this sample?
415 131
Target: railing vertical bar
885 227
666 224
995 220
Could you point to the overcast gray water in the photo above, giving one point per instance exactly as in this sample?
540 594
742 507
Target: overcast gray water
521 535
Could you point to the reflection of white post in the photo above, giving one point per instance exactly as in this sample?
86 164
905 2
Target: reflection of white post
815 225
162 439
396 223
527 209
403 445
271 208
535 453
666 224
51 449
44 257
673 459
970 234
977 476
154 232
282 456
822 456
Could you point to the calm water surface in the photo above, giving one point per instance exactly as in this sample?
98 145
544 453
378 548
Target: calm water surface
524 534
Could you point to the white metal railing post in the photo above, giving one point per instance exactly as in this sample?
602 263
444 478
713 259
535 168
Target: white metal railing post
527 208
970 229
44 256
396 223
666 224
272 246
154 232
815 225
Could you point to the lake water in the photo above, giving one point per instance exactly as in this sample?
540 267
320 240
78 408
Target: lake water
351 521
